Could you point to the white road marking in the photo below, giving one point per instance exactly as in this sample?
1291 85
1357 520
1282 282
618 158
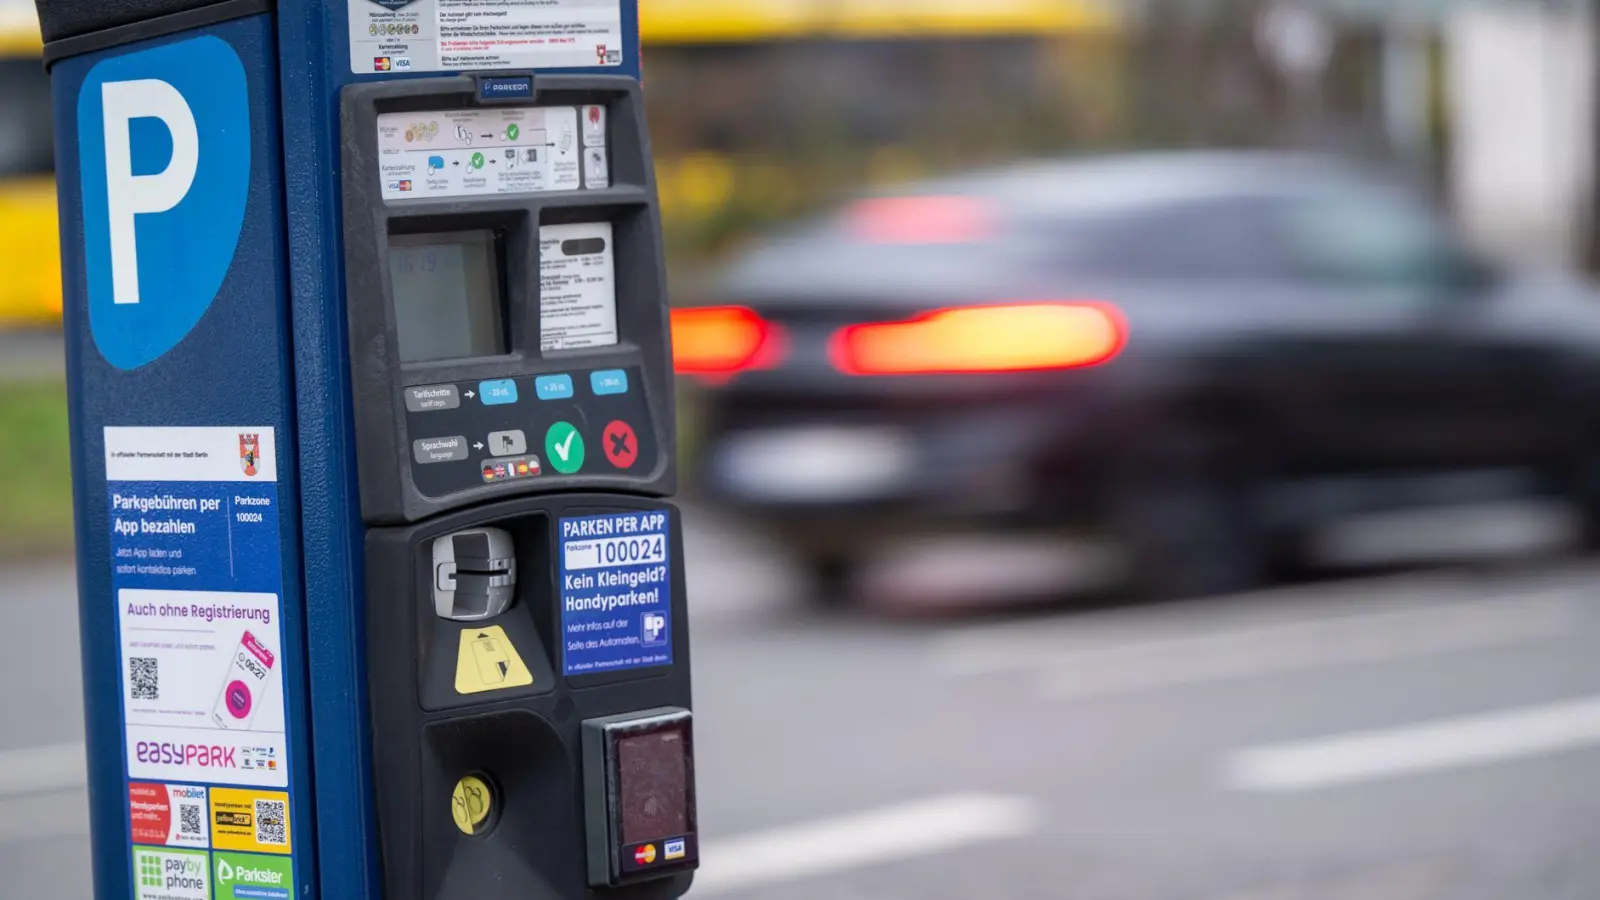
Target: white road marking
31 770
1316 645
904 831
1415 749
1117 654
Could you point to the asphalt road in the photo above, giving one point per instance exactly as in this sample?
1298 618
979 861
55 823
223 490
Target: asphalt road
1397 738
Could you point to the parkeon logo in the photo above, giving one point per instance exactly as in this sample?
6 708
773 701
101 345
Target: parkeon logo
164 156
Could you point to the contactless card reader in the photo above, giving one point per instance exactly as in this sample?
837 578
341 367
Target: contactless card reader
527 634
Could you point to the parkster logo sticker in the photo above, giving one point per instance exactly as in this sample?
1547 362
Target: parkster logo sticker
246 876
164 153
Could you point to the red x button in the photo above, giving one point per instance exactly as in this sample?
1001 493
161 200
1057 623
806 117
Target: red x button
621 444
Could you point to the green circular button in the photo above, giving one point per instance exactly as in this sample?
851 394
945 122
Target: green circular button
512 131
563 446
477 160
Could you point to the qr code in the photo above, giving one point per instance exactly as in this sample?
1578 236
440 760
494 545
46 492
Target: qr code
270 825
144 678
191 819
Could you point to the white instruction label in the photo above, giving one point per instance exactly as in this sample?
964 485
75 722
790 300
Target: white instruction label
577 287
462 153
435 35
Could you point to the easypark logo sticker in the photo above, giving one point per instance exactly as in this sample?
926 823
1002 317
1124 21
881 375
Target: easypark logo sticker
209 756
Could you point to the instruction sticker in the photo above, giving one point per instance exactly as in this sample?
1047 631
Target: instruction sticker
253 821
488 662
577 287
616 592
432 35
196 574
472 152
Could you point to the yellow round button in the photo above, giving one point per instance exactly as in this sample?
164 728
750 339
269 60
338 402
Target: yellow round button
471 804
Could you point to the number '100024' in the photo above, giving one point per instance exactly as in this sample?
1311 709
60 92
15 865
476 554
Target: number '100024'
633 550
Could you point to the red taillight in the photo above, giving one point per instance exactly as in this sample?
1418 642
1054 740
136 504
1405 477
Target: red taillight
1010 338
722 340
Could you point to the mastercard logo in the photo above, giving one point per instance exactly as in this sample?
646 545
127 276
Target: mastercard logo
645 855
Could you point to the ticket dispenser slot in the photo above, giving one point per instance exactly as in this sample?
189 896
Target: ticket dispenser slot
511 378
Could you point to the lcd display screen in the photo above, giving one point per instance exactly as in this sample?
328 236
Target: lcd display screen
653 785
446 295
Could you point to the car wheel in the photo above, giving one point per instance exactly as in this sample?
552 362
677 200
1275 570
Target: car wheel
1189 531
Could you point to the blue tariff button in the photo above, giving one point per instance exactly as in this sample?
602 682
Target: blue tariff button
496 393
553 387
609 381
505 88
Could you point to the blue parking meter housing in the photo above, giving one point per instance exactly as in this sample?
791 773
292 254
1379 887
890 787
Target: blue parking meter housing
370 383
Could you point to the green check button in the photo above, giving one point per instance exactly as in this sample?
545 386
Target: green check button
563 446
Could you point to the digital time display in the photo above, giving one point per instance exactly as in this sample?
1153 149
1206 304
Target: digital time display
446 296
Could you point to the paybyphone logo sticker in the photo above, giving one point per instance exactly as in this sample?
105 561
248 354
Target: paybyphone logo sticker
164 153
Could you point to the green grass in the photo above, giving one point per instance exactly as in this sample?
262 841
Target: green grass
35 469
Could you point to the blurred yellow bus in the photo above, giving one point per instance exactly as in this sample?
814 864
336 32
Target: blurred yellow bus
746 21
30 292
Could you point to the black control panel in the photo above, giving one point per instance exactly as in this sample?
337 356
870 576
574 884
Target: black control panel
550 427
506 295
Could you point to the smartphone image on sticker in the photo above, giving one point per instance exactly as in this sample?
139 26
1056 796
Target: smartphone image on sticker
245 684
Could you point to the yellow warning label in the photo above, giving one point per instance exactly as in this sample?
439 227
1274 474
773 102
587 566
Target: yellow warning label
470 804
252 821
488 662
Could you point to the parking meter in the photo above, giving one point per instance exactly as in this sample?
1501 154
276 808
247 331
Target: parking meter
373 435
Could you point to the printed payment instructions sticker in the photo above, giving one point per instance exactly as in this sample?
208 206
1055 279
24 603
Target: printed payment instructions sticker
431 35
577 287
476 152
616 592
197 580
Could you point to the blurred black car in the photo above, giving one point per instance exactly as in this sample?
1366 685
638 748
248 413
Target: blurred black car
1201 356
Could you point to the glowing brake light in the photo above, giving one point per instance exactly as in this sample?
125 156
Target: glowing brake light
722 340
1010 338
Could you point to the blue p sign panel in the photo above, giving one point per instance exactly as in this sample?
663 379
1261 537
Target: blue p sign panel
164 145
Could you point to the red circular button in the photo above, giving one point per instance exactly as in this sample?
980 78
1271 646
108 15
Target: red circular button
621 444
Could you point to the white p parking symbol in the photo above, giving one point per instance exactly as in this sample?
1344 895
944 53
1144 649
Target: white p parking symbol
127 194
